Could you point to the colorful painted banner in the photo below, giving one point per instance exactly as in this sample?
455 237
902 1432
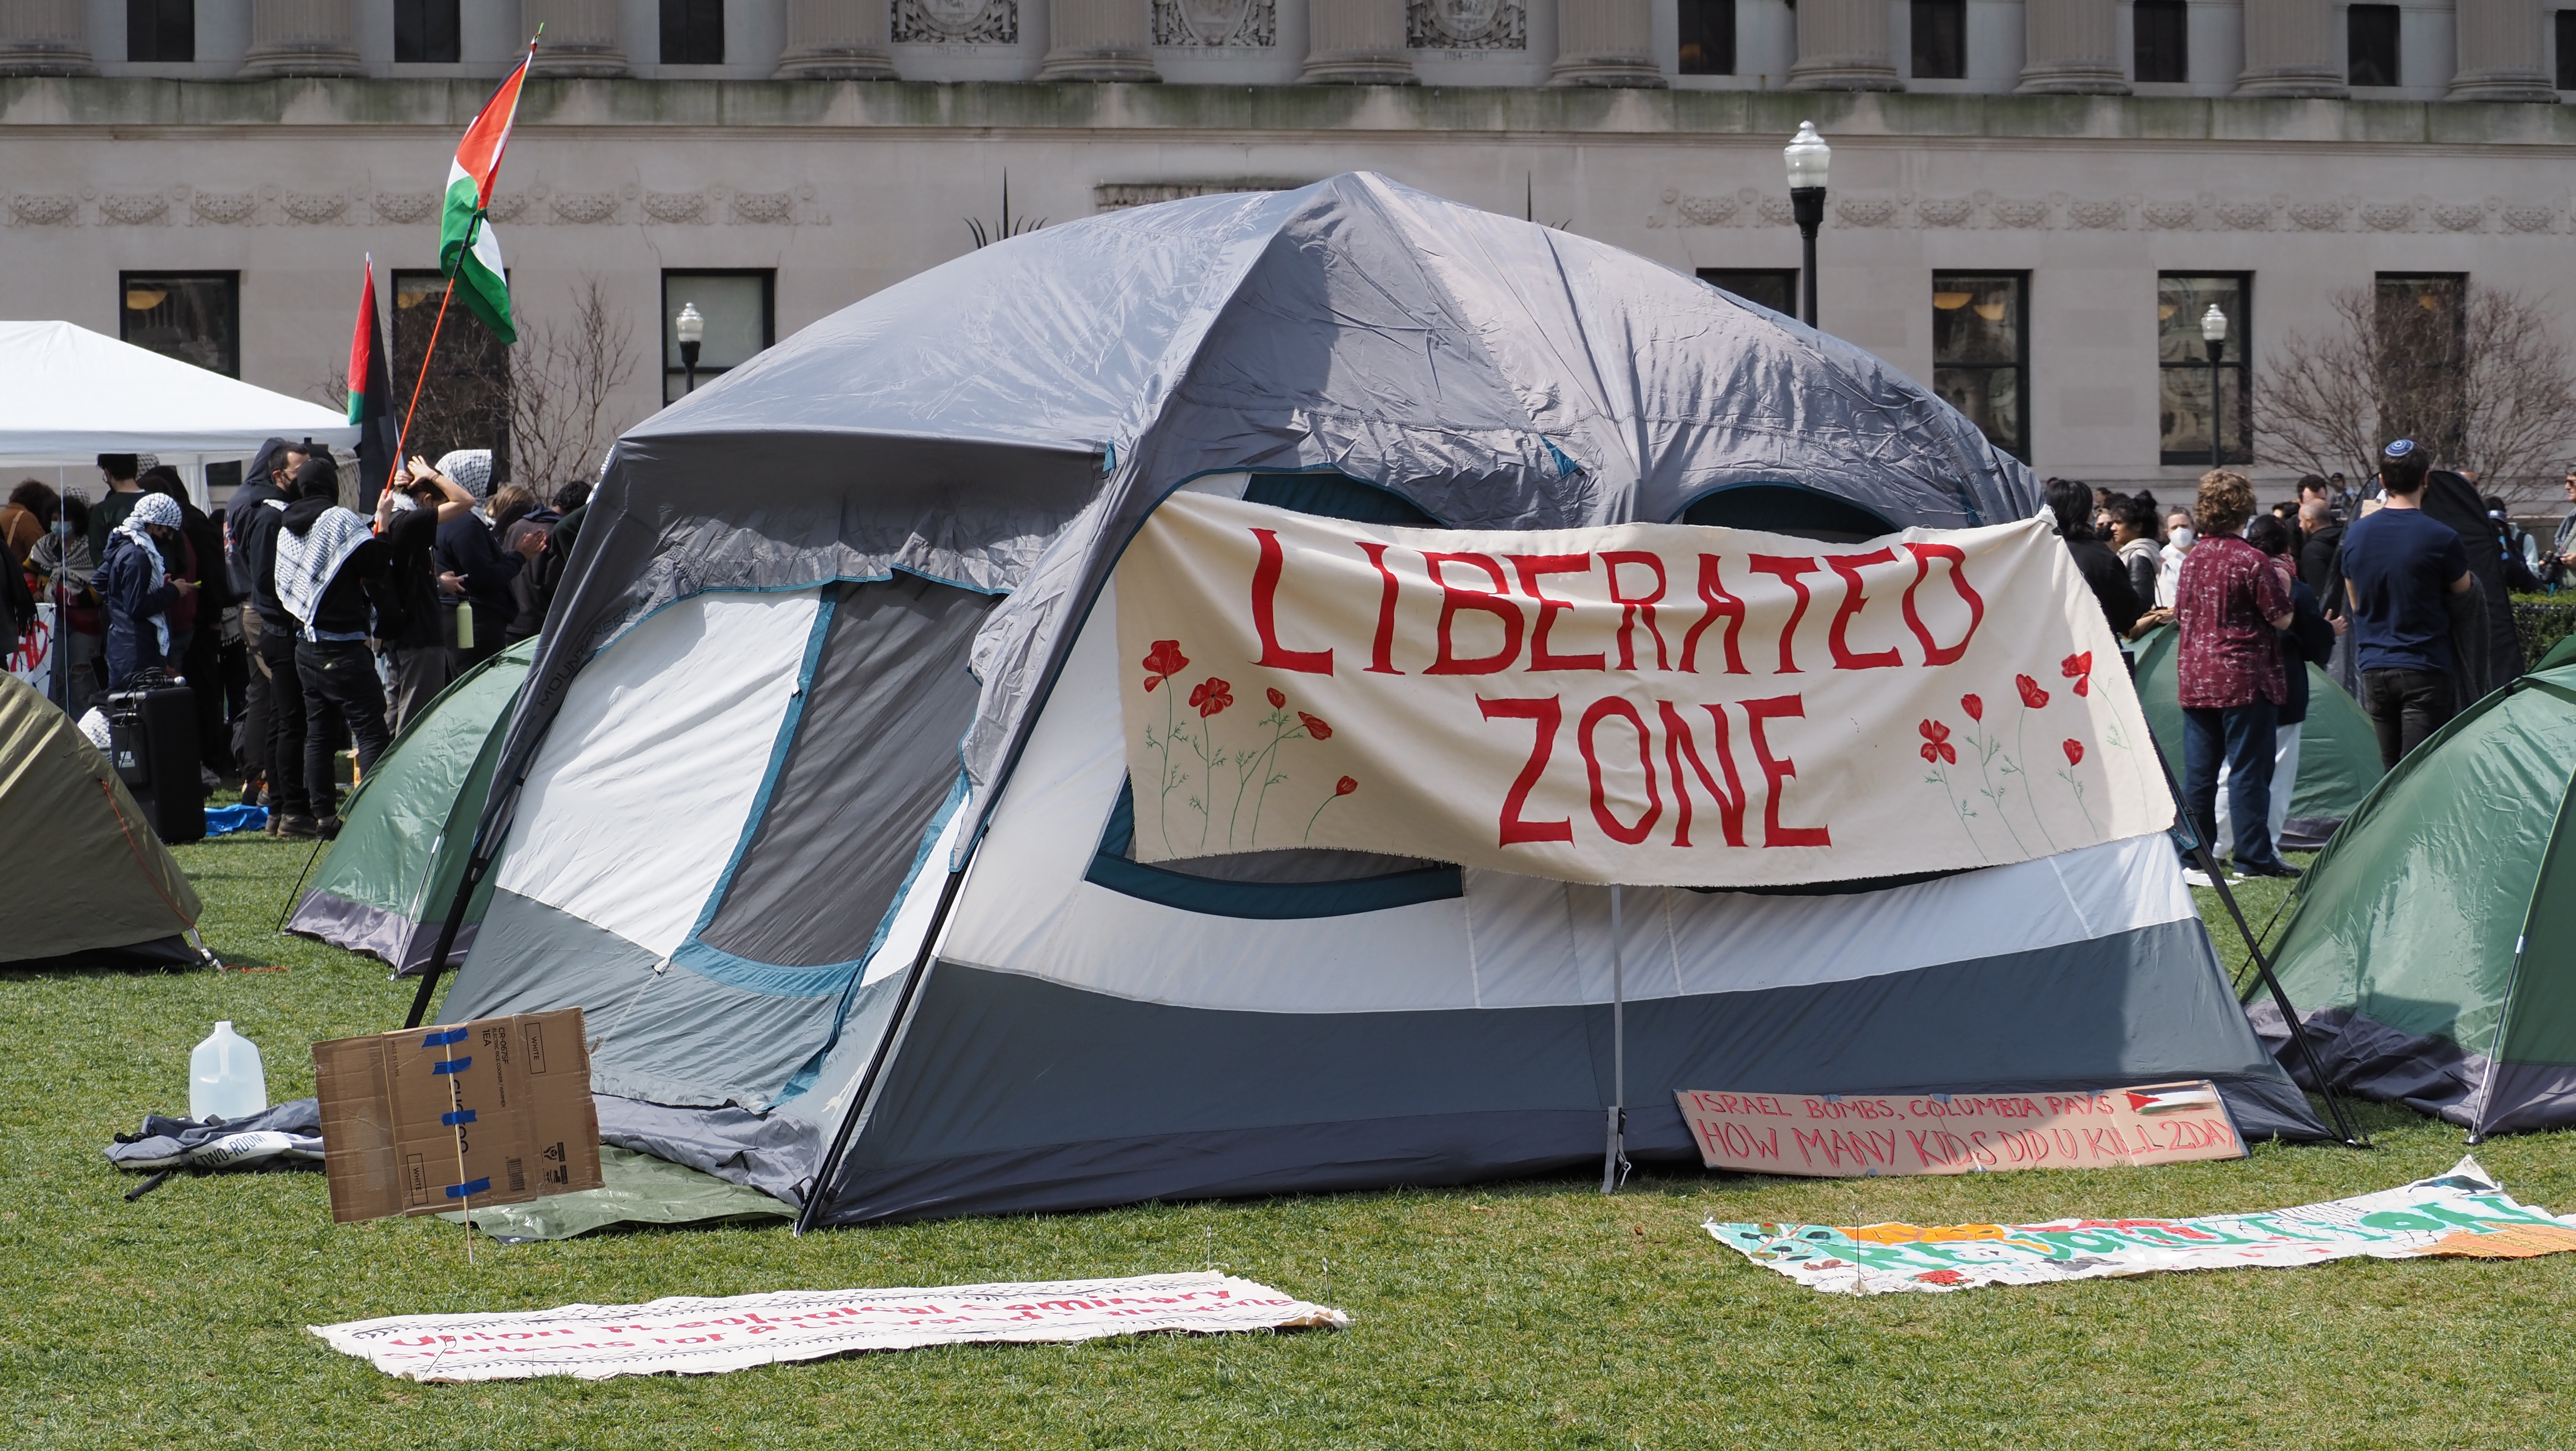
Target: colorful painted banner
696 1336
1646 703
2463 1214
1867 1135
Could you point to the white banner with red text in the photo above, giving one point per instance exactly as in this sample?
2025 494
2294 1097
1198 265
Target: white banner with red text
1640 703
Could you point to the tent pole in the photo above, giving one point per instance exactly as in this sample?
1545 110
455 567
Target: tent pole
1614 1152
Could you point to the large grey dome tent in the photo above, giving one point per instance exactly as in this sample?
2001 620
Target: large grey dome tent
814 799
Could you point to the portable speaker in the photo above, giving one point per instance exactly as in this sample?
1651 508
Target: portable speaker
152 742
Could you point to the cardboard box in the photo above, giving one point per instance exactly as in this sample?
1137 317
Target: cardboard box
495 1111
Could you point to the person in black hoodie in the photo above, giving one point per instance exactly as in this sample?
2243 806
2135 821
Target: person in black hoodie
255 531
200 659
467 550
408 516
2071 503
260 484
332 579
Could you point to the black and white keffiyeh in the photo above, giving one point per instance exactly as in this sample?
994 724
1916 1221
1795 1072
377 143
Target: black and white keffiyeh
307 562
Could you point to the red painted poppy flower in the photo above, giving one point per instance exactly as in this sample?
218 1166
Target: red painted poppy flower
1315 726
1345 787
1975 708
2079 668
1212 696
1278 698
2031 694
2074 751
1163 662
1936 744
1942 1277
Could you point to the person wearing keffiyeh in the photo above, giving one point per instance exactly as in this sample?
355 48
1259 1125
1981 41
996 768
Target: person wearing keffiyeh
331 577
139 590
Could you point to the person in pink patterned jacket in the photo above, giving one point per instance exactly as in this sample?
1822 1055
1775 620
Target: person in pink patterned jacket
2231 605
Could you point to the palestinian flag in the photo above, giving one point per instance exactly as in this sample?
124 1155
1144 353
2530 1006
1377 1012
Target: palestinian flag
371 392
467 250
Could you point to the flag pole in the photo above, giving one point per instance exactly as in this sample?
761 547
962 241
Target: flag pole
402 441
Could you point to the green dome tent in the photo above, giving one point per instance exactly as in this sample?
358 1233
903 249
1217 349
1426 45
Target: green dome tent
2433 946
386 882
2338 750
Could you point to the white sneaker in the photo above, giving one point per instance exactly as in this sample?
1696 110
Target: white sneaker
2195 877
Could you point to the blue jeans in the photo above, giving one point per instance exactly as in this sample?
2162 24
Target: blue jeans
2243 736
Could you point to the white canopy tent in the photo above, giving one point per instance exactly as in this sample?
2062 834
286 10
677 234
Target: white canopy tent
68 395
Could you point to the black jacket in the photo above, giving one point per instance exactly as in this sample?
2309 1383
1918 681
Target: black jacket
2321 565
466 549
359 593
2309 641
408 543
2109 578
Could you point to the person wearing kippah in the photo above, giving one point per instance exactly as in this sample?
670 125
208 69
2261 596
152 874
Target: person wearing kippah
2399 566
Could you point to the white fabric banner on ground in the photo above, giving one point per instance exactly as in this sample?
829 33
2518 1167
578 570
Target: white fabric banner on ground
1641 703
701 1336
2461 1214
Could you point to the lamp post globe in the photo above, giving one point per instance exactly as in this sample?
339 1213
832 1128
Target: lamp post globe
1808 157
2213 334
691 330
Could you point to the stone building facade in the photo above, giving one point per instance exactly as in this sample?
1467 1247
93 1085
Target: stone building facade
2025 197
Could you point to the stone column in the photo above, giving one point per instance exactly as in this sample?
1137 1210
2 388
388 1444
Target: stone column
582 38
301 38
1101 40
2071 48
836 40
1843 46
1605 43
1356 43
43 38
2291 49
2499 53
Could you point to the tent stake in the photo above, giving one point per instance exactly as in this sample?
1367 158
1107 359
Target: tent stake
1614 1152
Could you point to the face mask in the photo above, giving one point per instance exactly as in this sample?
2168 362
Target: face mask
2182 538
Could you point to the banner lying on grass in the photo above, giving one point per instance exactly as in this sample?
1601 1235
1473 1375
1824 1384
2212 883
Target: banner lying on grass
1645 703
1967 1133
2462 1213
695 1336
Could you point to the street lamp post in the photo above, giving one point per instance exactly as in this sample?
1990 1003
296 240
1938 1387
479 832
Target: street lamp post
2213 331
1807 155
691 330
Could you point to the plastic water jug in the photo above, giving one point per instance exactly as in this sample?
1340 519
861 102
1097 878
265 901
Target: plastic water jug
225 1079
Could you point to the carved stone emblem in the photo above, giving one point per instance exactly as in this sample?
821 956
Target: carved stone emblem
967 22
1465 25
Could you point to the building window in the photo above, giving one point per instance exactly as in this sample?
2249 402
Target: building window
693 32
740 311
2182 362
2370 45
1708 37
160 30
2565 23
192 316
2423 322
426 32
1981 352
465 399
1774 287
1940 40
2162 32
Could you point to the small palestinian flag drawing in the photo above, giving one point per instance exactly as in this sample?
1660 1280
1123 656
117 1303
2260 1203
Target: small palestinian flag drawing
467 249
2168 1097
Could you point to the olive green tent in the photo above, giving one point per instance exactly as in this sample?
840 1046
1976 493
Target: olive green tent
2433 946
386 882
89 885
2338 750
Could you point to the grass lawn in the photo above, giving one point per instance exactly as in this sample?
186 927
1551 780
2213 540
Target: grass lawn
1526 1314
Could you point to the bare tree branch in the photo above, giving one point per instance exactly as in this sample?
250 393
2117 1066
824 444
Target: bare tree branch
562 381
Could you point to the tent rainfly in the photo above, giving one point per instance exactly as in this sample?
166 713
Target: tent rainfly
387 878
2433 945
812 799
89 885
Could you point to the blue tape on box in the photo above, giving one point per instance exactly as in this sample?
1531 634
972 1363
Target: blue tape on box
461 1116
453 1065
441 1040
459 1191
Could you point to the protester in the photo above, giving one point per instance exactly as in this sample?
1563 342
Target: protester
2287 511
2400 568
255 534
197 621
140 590
2178 541
2519 553
2317 556
2231 602
467 550
32 510
533 591
332 580
265 480
408 516
2133 535
63 565
2562 545
572 501
118 470
2101 569
2309 640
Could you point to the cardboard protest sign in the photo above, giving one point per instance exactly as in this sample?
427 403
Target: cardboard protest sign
494 1111
1641 703
1966 1133
699 1336
2462 1214
32 660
